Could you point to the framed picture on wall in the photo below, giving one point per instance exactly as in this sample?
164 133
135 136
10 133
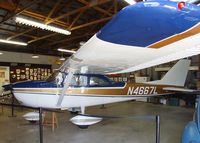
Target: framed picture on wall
2 74
125 79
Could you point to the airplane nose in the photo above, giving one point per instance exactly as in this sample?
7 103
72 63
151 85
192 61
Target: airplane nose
8 87
7 90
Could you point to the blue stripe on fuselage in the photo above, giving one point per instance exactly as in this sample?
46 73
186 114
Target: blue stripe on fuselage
34 84
145 23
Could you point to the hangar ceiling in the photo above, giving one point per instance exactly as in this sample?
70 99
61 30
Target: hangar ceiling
82 17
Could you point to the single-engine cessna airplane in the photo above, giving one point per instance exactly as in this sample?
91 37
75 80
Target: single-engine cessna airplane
94 89
140 36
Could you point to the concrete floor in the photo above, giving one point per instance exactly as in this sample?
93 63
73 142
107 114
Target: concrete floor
173 120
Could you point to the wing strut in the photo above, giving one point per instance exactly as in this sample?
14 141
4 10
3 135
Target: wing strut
66 86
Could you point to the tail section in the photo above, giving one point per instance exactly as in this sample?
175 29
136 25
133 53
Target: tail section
176 75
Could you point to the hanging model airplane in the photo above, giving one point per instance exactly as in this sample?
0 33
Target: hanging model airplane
139 36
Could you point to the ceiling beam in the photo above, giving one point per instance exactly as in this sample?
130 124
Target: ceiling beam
90 23
96 8
77 10
24 11
13 32
19 11
29 30
72 38
61 23
43 37
42 18
7 6
76 27
53 10
21 33
82 26
89 33
56 20
76 18
6 30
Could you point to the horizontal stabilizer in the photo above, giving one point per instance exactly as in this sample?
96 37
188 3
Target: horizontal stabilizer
179 89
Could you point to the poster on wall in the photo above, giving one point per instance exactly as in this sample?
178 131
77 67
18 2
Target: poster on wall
2 74
21 72
4 77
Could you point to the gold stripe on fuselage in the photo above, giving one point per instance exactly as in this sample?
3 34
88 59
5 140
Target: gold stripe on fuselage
130 89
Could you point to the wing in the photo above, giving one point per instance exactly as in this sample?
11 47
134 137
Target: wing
133 40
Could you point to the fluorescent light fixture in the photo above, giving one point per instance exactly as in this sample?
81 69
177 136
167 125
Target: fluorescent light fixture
13 42
41 25
62 59
82 43
130 2
35 56
67 51
1 53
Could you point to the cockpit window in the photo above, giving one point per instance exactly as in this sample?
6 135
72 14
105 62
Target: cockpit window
75 81
98 81
82 80
79 80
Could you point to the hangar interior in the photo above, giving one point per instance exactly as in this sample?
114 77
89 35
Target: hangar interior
42 51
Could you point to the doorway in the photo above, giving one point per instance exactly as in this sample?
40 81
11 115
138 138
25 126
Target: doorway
4 76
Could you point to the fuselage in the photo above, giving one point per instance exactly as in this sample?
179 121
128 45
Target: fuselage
93 90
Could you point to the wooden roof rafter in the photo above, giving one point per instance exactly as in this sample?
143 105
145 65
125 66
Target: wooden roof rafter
77 10
96 8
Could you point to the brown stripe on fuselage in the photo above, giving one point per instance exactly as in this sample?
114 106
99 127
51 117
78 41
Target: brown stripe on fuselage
118 91
39 90
135 89
192 31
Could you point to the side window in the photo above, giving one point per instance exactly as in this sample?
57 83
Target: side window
82 80
79 80
75 81
98 81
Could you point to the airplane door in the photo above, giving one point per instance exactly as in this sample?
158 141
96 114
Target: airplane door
4 76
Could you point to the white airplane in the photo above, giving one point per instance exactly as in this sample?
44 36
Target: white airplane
86 90
94 89
139 36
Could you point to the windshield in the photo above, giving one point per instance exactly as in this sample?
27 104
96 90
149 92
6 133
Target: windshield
52 76
94 81
79 80
59 78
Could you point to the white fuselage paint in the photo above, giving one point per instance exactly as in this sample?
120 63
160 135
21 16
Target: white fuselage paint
69 101
49 100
